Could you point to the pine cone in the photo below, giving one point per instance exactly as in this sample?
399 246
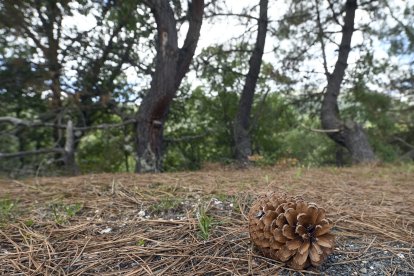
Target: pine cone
291 230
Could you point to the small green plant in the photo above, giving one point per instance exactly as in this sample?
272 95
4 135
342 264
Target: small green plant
298 173
63 212
7 209
236 205
140 242
29 222
165 204
204 223
222 197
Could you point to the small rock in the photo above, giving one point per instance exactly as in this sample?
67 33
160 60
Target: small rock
106 230
363 270
371 267
401 255
141 213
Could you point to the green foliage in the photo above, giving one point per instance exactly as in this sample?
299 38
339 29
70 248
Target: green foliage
376 112
207 122
106 150
140 242
204 223
8 209
61 212
278 131
20 83
165 205
29 222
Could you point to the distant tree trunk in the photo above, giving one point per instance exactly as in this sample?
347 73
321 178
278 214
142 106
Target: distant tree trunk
52 27
171 65
243 147
349 134
55 87
69 160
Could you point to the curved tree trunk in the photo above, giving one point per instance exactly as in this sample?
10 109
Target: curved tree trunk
243 147
171 65
348 134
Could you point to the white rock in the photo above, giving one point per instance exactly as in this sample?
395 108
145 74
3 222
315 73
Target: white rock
401 255
141 213
106 230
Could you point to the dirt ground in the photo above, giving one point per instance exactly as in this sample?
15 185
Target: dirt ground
194 223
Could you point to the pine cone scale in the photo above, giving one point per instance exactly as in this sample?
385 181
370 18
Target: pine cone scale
294 244
304 247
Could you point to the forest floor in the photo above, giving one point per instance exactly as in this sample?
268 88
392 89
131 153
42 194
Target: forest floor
194 223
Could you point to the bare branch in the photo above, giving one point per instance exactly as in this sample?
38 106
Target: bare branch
186 53
33 152
320 130
232 14
106 126
405 143
320 37
334 14
17 121
186 138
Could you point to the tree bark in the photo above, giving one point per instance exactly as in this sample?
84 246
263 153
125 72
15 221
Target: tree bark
243 147
350 134
69 152
171 65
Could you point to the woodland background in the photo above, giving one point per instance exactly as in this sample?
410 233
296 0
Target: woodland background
117 86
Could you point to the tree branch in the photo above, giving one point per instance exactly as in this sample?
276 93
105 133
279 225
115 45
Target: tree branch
186 138
232 14
320 37
334 14
25 123
320 130
402 141
33 152
186 53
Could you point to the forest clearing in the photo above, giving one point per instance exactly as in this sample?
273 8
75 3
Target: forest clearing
143 137
194 223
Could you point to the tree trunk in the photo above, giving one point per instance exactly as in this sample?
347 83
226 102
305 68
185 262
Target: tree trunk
349 134
171 65
243 147
71 167
51 27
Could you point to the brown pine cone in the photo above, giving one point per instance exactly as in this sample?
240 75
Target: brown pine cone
291 230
